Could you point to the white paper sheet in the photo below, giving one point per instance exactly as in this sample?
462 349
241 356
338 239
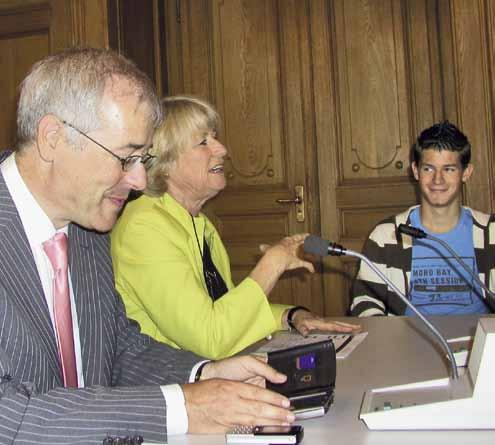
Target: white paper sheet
344 343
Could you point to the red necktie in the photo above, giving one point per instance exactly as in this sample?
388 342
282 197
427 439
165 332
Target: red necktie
56 250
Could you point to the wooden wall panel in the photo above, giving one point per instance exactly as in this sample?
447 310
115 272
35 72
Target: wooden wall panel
24 39
189 47
137 30
322 22
132 34
354 229
17 54
383 86
423 63
490 14
242 239
89 21
246 33
373 108
472 67
29 31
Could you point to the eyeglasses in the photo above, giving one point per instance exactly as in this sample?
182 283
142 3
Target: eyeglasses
127 163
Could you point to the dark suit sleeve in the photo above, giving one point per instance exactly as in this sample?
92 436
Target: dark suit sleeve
31 413
86 416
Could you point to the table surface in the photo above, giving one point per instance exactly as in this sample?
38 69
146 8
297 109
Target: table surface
397 350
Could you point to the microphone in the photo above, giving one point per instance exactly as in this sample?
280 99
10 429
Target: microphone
412 231
317 246
418 233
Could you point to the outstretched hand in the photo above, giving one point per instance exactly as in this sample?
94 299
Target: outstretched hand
288 252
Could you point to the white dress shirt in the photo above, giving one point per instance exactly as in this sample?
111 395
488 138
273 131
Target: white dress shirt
39 228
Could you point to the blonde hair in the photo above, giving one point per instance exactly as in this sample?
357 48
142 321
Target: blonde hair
184 118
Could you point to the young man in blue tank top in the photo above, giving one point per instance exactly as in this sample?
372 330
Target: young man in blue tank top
426 272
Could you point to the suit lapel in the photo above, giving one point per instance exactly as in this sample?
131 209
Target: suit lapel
85 270
19 276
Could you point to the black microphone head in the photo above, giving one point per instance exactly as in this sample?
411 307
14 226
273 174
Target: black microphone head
315 245
411 231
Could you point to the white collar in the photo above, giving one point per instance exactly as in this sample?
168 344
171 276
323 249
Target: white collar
37 225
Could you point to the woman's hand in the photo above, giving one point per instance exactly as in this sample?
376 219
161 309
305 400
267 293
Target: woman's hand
288 253
305 322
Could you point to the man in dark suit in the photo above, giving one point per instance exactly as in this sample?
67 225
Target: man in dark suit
85 123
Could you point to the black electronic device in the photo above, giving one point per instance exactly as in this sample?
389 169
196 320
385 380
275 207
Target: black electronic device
311 372
270 434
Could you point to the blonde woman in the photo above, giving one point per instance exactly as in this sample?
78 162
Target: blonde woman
171 266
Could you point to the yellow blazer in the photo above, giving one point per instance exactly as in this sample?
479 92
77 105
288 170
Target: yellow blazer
159 273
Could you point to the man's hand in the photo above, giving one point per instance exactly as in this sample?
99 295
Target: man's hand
244 368
217 405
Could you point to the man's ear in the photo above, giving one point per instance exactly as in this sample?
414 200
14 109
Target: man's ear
49 136
467 172
415 171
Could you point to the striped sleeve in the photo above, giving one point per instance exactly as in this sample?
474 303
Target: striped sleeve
367 286
370 295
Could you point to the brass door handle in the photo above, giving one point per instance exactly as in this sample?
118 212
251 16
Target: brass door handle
298 200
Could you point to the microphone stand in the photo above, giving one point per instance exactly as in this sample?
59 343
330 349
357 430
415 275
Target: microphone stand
335 249
457 403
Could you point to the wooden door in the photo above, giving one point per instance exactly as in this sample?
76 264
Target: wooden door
251 58
377 71
32 29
